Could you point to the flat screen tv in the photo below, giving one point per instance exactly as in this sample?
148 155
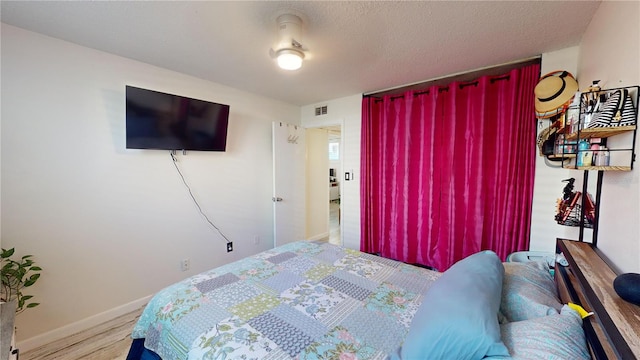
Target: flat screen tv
157 120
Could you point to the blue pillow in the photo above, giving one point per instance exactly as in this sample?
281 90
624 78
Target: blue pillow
458 317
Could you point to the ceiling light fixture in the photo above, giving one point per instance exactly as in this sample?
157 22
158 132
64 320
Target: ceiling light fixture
289 52
290 59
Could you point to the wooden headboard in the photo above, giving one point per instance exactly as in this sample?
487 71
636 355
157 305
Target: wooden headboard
613 332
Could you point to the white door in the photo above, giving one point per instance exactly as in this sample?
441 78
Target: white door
288 183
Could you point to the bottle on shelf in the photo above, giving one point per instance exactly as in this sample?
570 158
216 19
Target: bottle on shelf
587 158
583 147
596 155
602 158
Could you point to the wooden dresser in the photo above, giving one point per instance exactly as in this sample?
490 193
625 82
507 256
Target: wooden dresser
613 332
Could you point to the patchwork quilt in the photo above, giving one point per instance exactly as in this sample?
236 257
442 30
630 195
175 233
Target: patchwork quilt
299 301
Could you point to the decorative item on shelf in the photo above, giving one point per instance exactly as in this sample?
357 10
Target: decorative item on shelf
590 103
569 212
573 118
627 286
542 137
553 93
590 209
547 139
617 110
568 197
570 146
594 87
549 144
558 148
566 207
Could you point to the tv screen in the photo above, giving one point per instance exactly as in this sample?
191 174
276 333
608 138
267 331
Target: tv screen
157 120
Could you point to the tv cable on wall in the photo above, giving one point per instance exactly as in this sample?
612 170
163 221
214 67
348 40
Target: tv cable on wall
175 163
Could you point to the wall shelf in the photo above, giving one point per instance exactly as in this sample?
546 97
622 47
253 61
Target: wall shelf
576 130
573 128
599 132
604 168
561 156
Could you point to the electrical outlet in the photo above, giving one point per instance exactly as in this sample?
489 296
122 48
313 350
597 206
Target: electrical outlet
229 246
185 264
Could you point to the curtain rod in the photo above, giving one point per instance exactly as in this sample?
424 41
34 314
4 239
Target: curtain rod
445 88
453 75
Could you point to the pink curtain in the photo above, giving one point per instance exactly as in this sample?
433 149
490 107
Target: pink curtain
449 171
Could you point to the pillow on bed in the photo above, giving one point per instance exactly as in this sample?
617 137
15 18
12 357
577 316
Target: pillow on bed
458 315
557 336
528 292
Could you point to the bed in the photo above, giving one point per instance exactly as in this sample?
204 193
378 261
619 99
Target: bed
309 300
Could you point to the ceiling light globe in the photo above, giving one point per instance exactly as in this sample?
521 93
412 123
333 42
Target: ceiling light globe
289 59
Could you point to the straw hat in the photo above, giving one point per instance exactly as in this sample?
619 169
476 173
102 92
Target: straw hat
554 92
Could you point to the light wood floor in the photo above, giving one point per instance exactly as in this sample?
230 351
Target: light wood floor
108 341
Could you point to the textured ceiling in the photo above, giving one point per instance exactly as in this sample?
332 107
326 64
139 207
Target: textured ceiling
353 47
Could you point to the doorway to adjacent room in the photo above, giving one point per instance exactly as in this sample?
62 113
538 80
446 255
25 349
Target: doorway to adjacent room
334 139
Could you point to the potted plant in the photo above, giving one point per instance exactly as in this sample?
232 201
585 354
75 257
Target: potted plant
16 275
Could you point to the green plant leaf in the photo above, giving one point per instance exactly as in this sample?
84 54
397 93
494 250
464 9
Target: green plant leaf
7 253
32 280
15 276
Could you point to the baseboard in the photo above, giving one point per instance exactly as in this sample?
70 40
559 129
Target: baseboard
319 237
78 326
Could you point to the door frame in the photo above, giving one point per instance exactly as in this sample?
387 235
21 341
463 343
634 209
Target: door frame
340 176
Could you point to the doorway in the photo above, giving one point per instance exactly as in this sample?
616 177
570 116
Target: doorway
334 146
304 153
323 180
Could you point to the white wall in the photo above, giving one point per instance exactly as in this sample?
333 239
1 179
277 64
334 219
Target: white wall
109 225
346 112
548 183
610 52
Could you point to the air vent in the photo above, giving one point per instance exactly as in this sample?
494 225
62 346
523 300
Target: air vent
321 110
